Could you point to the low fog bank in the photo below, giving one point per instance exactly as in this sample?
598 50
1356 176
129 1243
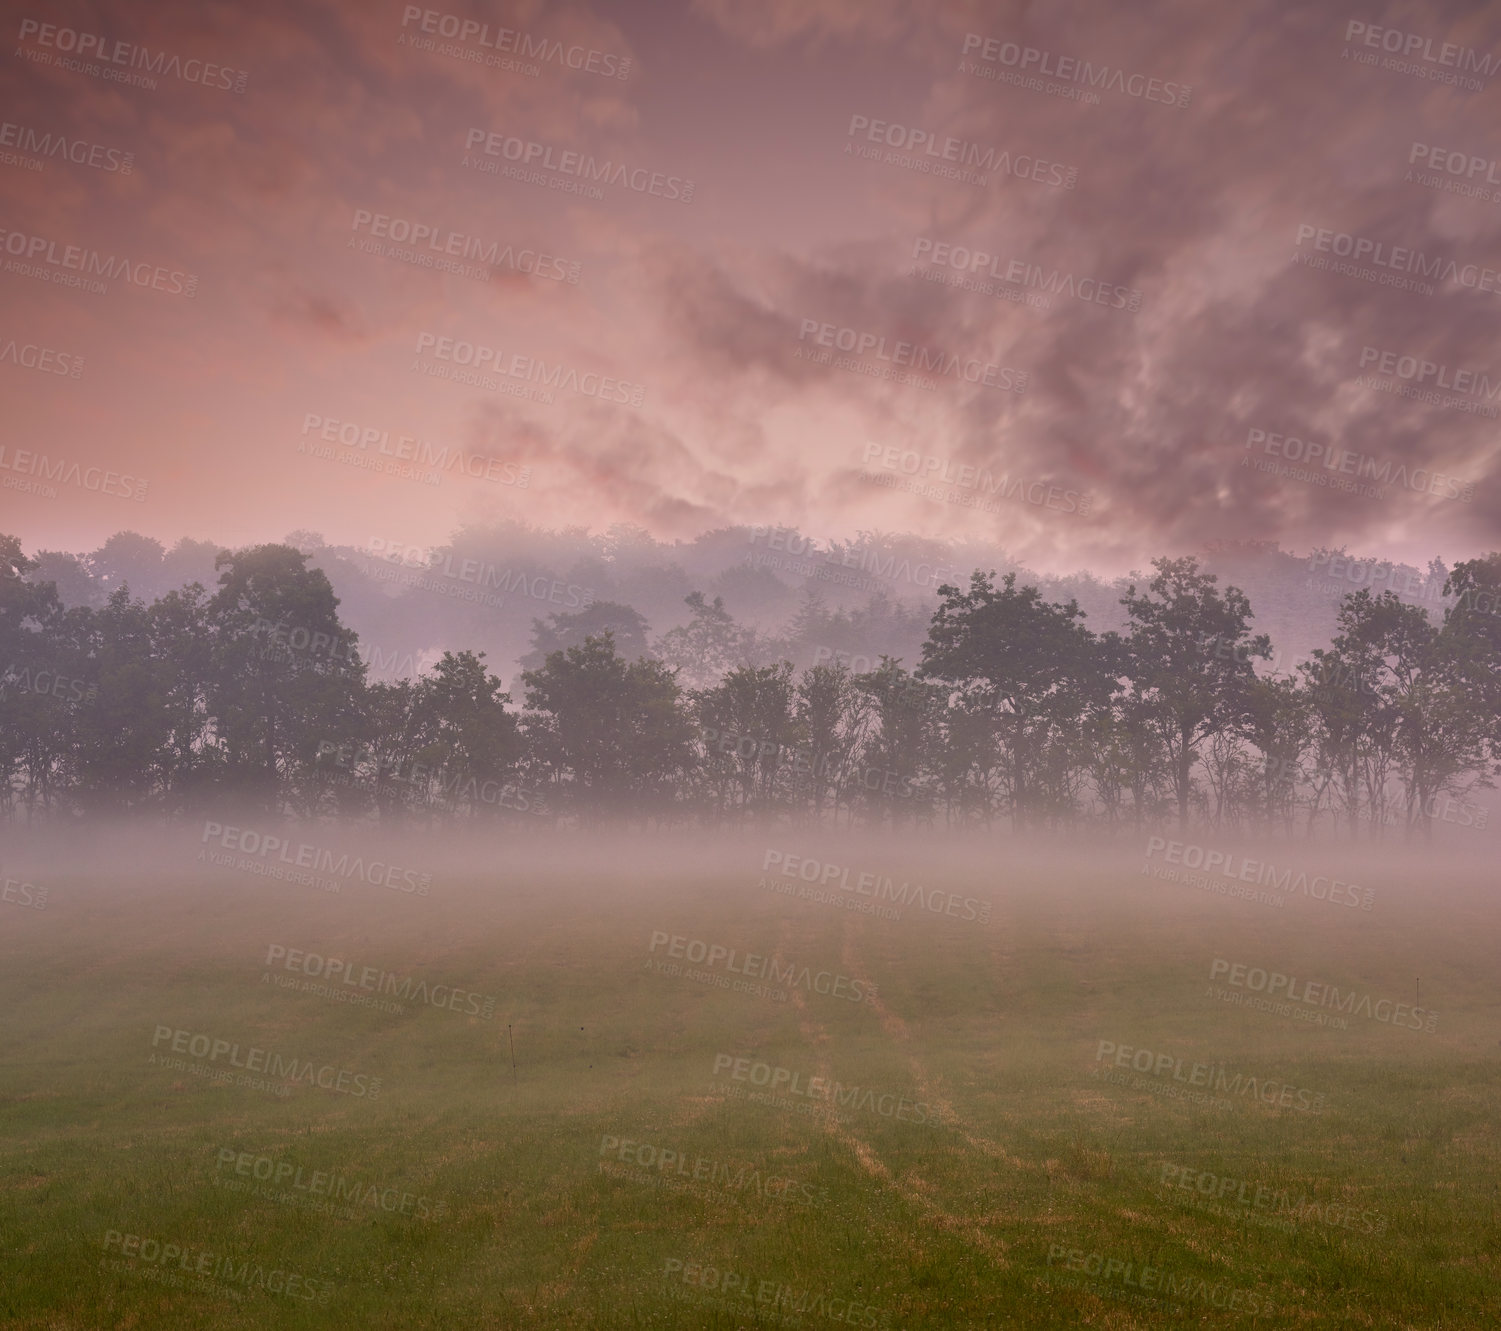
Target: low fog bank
431 862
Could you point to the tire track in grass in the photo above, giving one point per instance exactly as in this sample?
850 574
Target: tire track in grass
912 1188
901 1037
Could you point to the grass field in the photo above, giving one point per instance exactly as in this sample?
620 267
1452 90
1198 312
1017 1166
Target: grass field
623 1175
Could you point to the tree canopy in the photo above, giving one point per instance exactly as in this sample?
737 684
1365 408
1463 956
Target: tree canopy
255 691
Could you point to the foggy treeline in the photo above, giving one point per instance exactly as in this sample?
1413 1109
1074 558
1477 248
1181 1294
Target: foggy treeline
239 680
808 599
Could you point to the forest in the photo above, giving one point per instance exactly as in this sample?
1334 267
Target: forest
1015 715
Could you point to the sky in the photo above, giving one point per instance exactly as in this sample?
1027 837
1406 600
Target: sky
1092 281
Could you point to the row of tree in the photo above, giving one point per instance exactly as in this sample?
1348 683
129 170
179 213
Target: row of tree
1016 712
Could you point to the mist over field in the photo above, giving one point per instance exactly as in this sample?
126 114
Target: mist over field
724 664
810 1060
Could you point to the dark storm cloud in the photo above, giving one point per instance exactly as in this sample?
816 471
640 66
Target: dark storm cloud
1220 138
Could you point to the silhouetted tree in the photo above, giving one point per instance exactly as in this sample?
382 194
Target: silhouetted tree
1190 662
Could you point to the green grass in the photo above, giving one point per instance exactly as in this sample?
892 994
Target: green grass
938 1225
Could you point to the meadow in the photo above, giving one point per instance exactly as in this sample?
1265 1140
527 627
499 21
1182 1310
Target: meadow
560 1090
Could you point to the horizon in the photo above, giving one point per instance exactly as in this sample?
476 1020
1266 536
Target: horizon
604 544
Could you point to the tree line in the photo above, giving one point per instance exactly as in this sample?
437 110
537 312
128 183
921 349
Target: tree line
1016 714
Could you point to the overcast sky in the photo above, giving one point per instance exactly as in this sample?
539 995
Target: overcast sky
1150 205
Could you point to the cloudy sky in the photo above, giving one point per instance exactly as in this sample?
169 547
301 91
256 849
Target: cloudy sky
1066 276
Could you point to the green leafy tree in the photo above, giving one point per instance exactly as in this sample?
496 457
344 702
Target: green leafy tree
183 645
613 736
569 628
895 758
129 559
749 721
372 764
1426 686
1022 666
34 733
287 673
1280 725
827 715
473 743
1190 652
709 645
1472 628
120 722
